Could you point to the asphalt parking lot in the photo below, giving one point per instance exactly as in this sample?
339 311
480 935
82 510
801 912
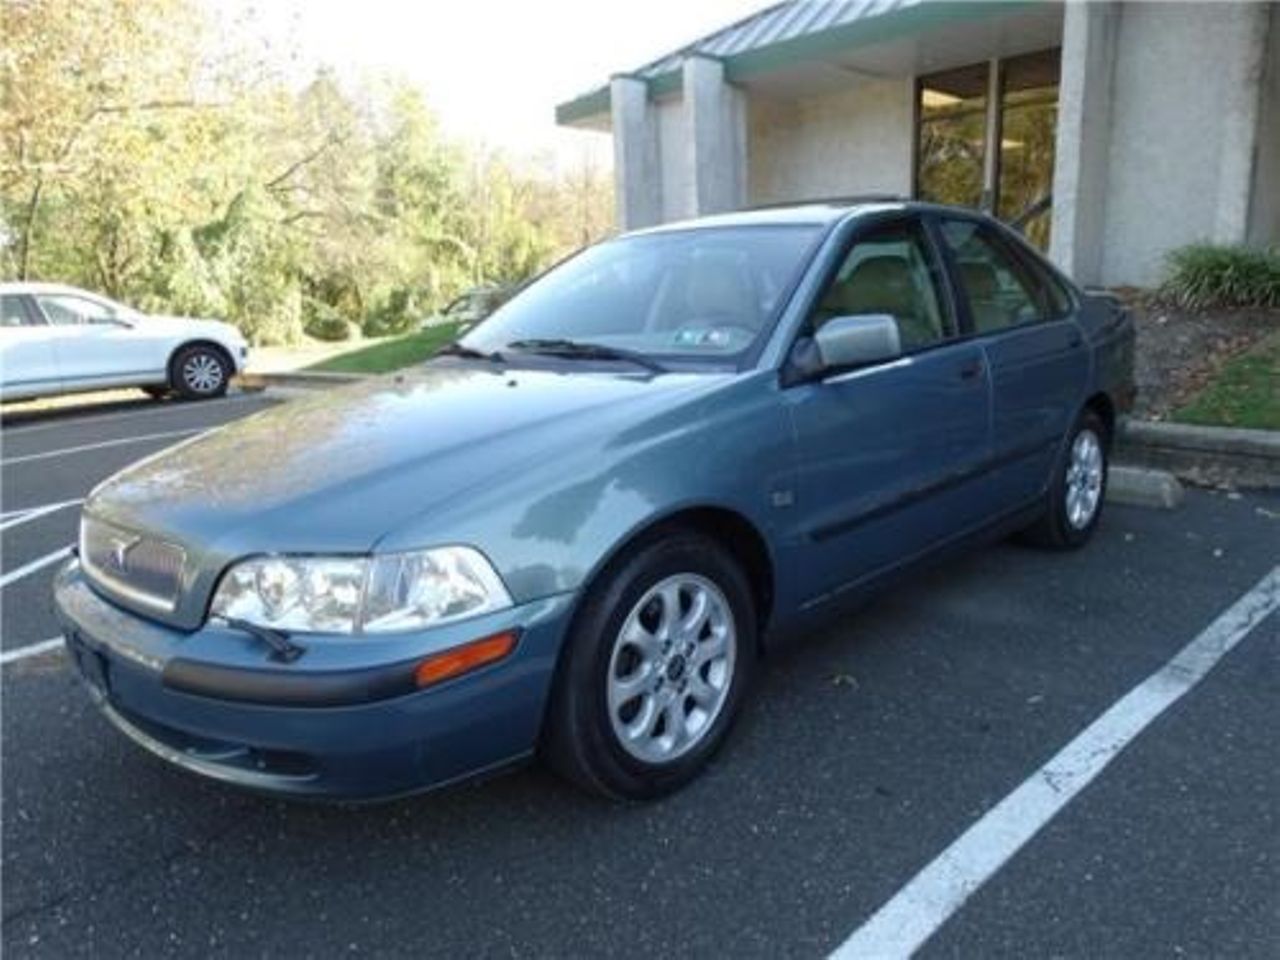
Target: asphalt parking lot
866 757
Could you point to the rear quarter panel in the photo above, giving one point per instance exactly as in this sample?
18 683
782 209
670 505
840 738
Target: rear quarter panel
1109 330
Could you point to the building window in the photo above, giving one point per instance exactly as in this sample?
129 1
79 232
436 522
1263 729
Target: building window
952 136
958 126
1028 128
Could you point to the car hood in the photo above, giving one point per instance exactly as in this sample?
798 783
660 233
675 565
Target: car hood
337 471
192 326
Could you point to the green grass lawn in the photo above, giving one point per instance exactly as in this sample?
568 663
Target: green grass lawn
391 353
1245 393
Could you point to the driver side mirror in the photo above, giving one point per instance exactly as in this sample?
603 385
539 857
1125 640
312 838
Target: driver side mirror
845 343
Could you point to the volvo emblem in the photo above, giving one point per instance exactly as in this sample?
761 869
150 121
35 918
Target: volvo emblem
118 554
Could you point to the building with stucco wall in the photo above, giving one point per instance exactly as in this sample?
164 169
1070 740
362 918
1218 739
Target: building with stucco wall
1110 132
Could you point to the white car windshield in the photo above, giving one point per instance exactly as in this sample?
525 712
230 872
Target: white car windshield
705 293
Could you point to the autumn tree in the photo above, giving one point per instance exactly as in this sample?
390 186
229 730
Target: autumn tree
146 157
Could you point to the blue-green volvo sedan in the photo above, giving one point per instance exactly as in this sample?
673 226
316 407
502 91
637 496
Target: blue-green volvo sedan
574 533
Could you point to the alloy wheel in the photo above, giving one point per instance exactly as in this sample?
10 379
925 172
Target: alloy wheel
1084 479
671 668
202 373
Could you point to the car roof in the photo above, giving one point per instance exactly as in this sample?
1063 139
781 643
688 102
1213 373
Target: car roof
809 213
39 286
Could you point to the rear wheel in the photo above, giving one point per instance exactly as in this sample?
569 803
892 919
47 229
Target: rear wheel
200 372
655 669
1078 488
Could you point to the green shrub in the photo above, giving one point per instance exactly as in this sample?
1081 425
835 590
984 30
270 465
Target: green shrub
395 314
1204 275
325 323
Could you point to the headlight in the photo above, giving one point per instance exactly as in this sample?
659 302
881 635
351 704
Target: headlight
379 594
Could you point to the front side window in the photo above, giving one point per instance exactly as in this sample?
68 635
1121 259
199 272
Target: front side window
999 293
888 271
68 310
701 294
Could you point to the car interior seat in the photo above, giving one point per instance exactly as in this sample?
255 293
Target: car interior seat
980 283
883 284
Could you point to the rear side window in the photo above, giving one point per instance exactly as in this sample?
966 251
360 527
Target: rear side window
1048 287
13 313
997 286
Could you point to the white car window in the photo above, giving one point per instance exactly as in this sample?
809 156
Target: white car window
65 309
12 313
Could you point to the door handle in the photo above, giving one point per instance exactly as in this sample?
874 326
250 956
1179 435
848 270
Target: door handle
971 370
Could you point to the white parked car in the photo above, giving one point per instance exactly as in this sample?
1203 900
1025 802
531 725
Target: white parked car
60 339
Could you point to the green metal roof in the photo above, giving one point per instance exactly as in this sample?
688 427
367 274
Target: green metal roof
790 32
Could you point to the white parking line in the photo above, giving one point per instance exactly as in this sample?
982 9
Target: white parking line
98 446
19 517
915 913
89 419
34 565
31 650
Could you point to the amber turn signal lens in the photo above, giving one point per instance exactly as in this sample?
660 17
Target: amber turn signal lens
462 659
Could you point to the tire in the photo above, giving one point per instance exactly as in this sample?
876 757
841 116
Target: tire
199 372
1078 489
702 678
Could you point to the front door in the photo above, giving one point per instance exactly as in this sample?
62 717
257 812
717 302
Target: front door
95 346
887 454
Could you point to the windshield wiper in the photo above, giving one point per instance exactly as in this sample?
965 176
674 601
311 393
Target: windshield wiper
580 349
457 349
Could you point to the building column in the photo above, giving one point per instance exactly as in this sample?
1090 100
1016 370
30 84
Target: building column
1083 138
637 176
715 137
1240 124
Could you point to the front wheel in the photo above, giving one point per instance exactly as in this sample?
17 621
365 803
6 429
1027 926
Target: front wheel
655 669
1078 487
200 372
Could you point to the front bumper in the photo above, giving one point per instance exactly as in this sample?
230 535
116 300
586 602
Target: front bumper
256 723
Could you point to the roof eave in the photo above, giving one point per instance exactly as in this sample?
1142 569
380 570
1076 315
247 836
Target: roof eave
591 110
585 111
861 33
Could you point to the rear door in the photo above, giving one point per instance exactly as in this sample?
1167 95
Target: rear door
28 362
888 454
1035 350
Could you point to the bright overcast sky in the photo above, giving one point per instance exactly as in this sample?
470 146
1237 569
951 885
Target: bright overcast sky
493 71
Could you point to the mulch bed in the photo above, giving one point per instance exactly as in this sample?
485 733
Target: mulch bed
1179 351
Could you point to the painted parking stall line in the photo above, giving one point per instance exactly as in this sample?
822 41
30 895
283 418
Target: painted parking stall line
35 565
18 517
97 419
31 650
919 909
81 448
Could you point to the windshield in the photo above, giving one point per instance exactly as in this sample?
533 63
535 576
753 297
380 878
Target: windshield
701 294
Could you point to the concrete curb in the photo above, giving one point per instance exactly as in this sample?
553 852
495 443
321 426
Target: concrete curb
1144 488
1206 456
306 379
